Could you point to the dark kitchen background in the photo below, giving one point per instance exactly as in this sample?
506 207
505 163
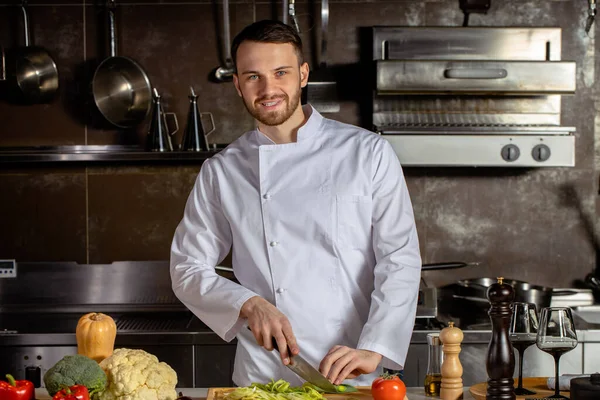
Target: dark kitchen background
535 225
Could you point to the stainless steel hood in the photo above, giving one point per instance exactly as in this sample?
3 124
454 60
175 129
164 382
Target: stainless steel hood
473 96
475 77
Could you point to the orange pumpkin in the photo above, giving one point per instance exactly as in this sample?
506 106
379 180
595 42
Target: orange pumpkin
96 333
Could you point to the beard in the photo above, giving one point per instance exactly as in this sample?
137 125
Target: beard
275 117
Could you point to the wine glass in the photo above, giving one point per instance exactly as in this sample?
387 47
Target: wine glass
522 334
556 336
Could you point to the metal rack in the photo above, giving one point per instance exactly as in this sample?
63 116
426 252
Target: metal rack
98 154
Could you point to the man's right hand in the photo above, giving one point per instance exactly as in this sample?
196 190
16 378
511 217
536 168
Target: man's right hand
267 322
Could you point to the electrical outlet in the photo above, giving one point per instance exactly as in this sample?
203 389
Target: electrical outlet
8 269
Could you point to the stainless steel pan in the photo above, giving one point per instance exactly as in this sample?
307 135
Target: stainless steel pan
476 290
121 88
36 73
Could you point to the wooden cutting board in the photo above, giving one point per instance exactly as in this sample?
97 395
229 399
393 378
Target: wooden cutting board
364 393
538 385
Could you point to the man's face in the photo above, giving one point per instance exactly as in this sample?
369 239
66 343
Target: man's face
269 80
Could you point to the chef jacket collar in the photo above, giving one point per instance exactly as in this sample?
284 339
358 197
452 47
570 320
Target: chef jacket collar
306 131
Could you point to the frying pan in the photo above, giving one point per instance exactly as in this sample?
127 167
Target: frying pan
121 88
35 71
476 290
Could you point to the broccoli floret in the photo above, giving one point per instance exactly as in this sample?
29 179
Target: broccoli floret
75 370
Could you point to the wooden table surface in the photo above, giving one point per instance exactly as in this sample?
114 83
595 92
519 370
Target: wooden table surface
413 393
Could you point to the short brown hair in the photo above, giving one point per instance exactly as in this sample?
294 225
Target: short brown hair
268 31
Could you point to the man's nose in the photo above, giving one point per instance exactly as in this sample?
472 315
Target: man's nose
268 86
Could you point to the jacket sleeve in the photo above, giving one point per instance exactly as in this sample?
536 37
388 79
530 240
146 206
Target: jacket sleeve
202 240
397 272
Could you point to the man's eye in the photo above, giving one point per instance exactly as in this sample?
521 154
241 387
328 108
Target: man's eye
281 73
252 77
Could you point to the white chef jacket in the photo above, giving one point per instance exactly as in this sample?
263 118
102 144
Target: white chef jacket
323 228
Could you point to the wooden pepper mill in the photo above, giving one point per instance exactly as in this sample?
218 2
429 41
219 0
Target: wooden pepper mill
451 387
500 362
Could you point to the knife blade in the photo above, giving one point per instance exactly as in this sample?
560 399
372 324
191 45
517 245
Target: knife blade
310 374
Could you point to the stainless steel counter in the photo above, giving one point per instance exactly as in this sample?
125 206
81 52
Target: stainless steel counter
40 326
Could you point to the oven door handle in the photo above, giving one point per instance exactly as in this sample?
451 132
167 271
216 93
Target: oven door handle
475 73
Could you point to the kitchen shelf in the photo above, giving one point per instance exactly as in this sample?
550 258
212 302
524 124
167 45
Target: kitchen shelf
98 154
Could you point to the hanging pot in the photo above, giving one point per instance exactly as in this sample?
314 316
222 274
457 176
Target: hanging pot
121 88
36 73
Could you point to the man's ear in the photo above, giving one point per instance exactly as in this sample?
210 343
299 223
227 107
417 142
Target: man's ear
304 72
236 83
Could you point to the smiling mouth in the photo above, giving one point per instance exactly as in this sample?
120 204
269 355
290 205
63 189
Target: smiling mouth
270 103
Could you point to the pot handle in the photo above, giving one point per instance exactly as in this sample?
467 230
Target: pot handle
3 62
446 265
471 298
25 21
111 7
564 292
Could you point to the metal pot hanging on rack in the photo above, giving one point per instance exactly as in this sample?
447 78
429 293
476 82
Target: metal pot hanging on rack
35 72
121 88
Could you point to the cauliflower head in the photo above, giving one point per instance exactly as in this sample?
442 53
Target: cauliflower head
137 375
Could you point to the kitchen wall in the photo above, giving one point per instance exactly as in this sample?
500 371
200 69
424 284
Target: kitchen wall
532 224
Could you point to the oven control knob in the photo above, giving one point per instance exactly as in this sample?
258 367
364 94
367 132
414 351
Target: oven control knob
541 152
34 374
510 152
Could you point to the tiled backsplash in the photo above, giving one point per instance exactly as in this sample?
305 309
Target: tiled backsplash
523 224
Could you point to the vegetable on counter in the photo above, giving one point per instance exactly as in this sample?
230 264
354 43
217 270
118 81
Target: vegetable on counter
75 392
75 370
388 387
138 375
279 390
96 333
16 389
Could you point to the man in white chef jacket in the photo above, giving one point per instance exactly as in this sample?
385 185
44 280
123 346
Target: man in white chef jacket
321 228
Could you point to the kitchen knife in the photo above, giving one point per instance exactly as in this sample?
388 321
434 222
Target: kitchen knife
304 370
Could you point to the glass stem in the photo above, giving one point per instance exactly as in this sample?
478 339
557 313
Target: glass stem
520 370
556 385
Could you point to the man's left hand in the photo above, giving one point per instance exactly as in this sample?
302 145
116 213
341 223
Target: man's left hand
344 362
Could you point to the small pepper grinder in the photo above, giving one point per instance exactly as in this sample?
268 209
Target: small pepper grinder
500 361
452 370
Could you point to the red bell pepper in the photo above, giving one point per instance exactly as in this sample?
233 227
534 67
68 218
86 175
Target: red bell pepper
16 390
75 392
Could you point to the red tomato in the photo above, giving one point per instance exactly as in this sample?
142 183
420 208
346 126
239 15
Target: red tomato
383 377
388 388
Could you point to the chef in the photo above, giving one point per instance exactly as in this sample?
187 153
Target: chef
320 224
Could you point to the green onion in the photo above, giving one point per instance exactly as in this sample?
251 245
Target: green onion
279 390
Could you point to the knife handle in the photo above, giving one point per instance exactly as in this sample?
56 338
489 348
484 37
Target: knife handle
274 343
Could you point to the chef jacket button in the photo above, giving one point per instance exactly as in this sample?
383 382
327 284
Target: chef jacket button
280 290
267 196
274 243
